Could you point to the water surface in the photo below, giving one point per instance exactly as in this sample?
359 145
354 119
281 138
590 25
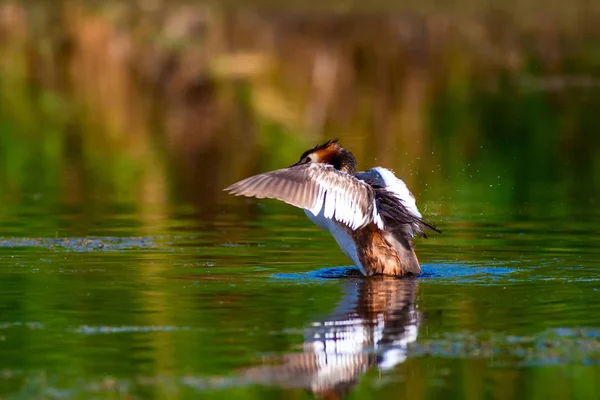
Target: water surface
254 301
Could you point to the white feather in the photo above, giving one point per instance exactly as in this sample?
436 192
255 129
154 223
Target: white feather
376 217
318 204
399 188
338 202
341 237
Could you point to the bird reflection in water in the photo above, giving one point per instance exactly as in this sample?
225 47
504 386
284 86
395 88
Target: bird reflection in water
372 327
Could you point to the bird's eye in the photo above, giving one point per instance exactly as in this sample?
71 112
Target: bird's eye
308 159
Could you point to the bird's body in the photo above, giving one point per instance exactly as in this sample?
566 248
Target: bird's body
372 215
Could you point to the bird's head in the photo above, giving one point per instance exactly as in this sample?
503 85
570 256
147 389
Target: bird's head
331 153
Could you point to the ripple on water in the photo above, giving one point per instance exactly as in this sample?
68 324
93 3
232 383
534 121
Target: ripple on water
19 324
320 274
444 273
84 244
463 273
559 346
96 330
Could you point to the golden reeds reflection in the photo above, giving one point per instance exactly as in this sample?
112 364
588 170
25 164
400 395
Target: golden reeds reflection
372 327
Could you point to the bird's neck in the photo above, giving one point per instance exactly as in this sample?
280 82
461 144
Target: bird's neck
344 161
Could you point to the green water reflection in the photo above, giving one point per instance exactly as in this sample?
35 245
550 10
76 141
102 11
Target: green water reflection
259 307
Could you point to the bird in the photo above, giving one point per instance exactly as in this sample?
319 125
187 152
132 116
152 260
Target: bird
372 215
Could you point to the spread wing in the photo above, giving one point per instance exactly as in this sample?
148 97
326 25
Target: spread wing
318 188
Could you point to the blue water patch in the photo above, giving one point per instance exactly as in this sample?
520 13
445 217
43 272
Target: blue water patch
462 273
451 273
321 274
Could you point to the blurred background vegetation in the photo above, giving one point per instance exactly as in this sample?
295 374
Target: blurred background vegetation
154 102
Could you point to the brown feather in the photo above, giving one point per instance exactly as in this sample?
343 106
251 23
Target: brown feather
381 253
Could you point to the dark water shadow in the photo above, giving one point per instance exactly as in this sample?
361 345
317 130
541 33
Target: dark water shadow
372 326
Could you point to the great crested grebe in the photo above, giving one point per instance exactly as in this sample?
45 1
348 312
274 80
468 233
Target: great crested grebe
372 215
